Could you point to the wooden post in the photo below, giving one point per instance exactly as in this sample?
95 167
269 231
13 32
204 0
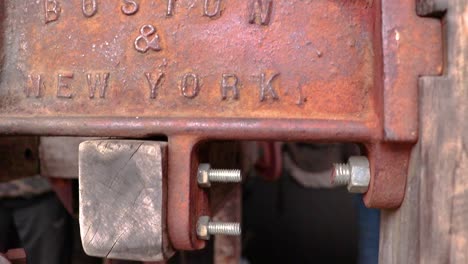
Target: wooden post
123 197
432 224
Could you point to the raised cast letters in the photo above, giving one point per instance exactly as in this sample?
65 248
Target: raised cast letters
89 7
154 83
170 8
35 86
266 87
98 85
260 11
129 7
217 9
52 10
230 82
63 86
148 39
190 79
100 82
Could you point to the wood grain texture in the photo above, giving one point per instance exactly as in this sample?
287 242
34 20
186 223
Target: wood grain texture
123 199
59 156
432 224
227 249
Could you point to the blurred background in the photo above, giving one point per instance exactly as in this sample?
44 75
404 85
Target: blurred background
289 209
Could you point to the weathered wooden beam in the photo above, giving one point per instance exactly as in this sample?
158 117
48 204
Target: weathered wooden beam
227 249
123 199
59 156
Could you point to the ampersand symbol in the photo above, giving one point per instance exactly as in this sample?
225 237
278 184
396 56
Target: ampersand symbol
148 39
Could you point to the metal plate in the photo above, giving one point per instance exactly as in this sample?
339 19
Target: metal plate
294 60
321 70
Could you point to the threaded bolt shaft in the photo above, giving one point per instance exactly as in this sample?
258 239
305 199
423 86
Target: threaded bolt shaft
224 176
206 228
229 229
206 176
341 174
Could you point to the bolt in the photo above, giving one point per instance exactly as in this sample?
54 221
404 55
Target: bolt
342 174
206 176
206 228
355 174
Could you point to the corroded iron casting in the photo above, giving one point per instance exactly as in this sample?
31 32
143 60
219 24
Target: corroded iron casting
341 71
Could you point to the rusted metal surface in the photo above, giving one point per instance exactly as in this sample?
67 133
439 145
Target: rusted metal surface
189 63
252 70
64 191
270 163
19 157
411 47
430 227
186 202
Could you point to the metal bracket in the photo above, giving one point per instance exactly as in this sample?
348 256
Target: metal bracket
349 74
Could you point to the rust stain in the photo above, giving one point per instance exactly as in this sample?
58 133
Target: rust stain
288 70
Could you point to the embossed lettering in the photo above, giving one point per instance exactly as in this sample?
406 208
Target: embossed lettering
260 11
154 83
129 7
89 7
190 79
148 39
170 8
266 86
217 10
63 87
101 82
52 10
230 82
35 85
302 99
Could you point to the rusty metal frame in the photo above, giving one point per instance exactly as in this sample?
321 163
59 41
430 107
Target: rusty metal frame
404 46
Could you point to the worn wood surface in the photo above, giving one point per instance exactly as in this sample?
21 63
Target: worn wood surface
432 224
227 249
123 199
59 156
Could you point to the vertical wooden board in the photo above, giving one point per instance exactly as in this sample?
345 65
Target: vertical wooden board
439 144
400 225
228 248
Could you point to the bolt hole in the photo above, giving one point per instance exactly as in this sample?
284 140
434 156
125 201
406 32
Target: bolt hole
28 154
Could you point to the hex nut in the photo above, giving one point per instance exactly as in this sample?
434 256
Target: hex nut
202 228
360 175
203 175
